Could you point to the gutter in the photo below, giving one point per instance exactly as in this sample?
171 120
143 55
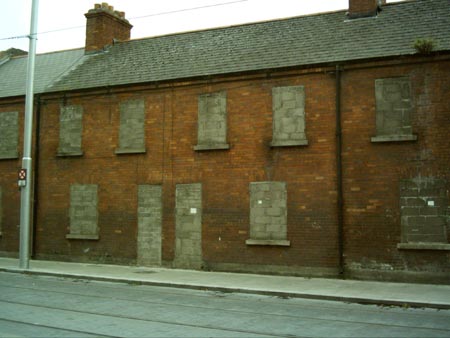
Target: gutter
340 195
36 177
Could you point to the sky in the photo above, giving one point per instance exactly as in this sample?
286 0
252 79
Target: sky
61 23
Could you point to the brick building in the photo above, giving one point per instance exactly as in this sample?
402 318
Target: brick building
315 145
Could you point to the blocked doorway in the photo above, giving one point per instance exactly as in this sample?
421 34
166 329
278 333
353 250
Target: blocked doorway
149 225
188 226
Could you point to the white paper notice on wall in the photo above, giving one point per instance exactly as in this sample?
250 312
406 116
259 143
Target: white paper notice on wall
431 203
193 211
259 202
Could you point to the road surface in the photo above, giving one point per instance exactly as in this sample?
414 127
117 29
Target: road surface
38 306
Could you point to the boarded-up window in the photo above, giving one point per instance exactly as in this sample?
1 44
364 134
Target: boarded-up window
424 205
9 135
70 131
393 110
212 122
83 212
132 127
288 108
268 214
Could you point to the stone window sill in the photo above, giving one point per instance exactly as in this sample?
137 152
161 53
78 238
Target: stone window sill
69 153
86 237
423 246
289 143
121 151
215 146
393 138
268 242
9 155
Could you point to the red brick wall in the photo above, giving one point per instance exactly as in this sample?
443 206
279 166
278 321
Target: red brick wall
117 177
9 241
371 171
171 130
226 174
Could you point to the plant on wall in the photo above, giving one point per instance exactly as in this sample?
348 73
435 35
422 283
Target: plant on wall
424 46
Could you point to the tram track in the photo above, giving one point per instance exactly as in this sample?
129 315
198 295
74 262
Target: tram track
228 314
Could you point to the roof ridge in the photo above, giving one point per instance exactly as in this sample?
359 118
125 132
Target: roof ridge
245 24
60 51
72 67
276 44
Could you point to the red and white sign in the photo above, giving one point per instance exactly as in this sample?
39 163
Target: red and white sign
22 175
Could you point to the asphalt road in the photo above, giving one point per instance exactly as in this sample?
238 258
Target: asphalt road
37 306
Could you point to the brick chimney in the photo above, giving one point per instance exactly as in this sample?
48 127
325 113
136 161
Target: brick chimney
103 26
364 8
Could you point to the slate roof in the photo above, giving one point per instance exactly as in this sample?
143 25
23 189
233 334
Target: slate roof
300 41
48 67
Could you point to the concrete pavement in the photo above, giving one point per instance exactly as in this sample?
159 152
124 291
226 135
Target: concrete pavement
366 292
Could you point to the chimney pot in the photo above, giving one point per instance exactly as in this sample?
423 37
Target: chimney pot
364 8
104 25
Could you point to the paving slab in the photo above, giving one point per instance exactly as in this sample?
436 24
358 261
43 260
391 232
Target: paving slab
366 292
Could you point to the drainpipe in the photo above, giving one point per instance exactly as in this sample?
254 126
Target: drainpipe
340 197
36 176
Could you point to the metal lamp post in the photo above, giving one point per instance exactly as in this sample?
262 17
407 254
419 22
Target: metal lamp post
25 174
